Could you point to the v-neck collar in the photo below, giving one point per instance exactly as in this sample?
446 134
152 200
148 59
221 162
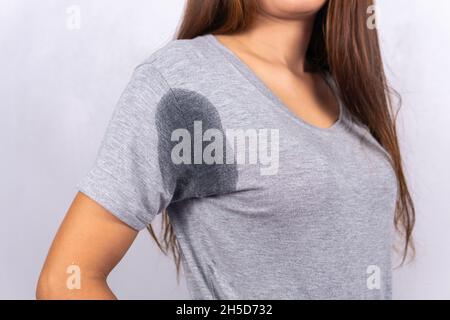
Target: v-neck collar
266 91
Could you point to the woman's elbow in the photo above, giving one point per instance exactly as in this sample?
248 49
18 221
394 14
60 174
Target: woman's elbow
67 286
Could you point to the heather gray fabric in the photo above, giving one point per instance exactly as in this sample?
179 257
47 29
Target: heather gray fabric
319 227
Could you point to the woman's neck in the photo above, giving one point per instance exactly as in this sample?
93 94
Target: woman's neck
279 41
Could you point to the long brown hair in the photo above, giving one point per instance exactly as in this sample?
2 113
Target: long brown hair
341 44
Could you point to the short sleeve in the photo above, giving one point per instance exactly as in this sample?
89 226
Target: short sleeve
126 178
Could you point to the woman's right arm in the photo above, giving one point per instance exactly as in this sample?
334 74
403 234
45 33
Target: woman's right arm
89 244
130 182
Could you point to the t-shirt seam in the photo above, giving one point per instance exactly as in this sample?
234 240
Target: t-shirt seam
169 87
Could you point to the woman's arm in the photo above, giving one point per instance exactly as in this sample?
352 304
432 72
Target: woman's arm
92 239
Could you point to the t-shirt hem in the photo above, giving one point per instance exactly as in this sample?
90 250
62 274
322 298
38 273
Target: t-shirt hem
108 203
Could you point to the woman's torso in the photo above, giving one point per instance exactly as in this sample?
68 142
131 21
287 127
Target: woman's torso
309 214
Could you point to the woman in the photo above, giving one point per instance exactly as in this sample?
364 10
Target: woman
299 201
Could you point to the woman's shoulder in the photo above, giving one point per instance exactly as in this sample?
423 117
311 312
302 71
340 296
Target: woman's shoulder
179 58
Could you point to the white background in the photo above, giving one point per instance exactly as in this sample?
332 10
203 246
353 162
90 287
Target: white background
58 88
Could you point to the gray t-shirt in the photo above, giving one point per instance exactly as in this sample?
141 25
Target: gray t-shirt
264 205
